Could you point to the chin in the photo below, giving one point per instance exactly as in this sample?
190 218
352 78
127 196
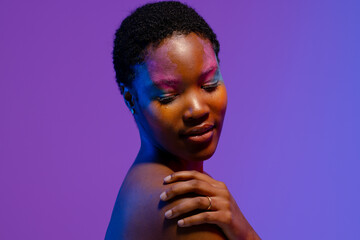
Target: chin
202 155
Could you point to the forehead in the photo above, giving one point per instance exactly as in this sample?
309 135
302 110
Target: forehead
180 57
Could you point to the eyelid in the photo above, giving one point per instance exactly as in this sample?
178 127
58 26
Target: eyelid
211 82
211 86
166 98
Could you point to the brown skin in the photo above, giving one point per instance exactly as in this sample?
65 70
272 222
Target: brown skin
182 70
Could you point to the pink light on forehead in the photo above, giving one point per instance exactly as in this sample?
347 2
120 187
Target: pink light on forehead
161 78
161 70
210 62
209 57
162 74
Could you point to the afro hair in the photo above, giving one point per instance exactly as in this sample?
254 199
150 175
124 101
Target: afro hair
150 24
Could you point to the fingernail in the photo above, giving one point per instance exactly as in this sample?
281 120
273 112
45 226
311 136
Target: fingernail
168 214
167 178
181 223
163 196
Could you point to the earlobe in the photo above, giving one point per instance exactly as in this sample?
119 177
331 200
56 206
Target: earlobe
128 97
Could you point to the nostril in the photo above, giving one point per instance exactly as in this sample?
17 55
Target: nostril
195 119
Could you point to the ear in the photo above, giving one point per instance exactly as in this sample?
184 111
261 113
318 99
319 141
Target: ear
128 97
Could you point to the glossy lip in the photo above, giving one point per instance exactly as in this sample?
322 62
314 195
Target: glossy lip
200 136
198 131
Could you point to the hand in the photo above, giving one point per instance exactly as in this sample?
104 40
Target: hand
213 197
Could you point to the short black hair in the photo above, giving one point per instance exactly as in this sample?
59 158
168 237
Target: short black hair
150 24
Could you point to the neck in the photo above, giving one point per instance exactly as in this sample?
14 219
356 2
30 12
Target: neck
148 153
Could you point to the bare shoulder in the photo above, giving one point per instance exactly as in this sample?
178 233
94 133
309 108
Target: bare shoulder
139 213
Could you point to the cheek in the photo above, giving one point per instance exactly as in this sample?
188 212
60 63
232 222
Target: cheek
169 117
218 101
162 118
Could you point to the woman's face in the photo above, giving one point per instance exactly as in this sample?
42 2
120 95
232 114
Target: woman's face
180 98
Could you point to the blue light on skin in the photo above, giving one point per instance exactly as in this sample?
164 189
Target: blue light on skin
151 92
200 99
180 77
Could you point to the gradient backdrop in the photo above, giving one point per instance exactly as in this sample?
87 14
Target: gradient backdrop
290 149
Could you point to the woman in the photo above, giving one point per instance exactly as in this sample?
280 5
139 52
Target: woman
166 62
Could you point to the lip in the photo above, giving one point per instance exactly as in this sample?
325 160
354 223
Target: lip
199 134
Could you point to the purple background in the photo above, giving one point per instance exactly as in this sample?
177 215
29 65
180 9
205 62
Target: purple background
290 147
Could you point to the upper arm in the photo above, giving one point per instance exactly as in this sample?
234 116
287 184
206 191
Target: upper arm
143 218
139 214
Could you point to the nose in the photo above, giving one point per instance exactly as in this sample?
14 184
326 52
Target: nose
197 110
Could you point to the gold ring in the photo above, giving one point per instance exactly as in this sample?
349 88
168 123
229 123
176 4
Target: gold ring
209 207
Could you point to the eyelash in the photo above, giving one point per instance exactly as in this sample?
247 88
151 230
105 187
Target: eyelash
169 98
166 99
210 87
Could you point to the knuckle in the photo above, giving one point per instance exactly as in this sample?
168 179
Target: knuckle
227 205
227 218
193 173
227 195
195 184
186 205
199 201
222 184
207 217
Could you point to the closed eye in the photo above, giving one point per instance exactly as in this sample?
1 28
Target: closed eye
166 99
210 86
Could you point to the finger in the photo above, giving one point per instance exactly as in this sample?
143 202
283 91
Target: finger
190 205
201 218
186 175
191 186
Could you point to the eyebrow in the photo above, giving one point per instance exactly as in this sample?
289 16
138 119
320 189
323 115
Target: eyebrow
208 71
167 83
174 83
